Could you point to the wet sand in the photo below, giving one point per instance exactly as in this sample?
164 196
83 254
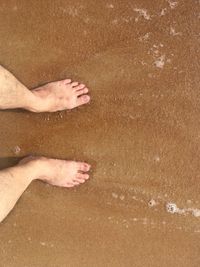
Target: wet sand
141 133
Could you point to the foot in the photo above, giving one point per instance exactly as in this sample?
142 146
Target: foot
60 95
57 172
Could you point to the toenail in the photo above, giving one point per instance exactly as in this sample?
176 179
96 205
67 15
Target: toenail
88 166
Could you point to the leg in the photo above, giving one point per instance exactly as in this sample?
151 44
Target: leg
51 97
15 180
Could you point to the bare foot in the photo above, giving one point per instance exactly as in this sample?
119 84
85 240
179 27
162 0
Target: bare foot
57 172
61 95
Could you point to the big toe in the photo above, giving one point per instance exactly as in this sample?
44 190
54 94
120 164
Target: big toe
82 177
74 84
83 100
84 167
67 81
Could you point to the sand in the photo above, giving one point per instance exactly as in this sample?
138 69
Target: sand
141 133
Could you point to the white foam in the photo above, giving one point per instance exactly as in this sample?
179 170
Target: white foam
160 62
172 4
142 13
163 11
172 208
16 150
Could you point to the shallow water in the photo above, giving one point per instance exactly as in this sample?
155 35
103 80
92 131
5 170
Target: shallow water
140 133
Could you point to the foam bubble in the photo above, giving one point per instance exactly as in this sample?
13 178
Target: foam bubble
160 62
16 150
171 208
152 203
196 212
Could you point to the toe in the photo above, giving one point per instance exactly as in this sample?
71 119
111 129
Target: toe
75 182
67 81
79 87
83 100
74 84
84 167
82 92
80 181
82 176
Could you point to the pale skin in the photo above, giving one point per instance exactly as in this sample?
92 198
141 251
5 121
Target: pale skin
54 96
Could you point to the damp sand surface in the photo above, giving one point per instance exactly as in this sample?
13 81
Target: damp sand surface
141 133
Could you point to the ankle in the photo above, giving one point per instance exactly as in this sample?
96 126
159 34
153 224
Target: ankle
37 167
38 103
22 173
33 103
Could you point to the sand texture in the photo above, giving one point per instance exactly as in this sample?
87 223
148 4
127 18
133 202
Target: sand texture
141 133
